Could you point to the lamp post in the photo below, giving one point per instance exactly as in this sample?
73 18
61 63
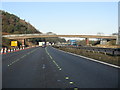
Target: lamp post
118 37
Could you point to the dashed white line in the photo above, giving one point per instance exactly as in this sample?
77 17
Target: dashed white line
67 78
21 58
71 82
53 60
43 66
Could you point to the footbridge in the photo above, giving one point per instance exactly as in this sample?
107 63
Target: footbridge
26 36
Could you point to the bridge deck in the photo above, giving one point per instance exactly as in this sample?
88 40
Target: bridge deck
21 36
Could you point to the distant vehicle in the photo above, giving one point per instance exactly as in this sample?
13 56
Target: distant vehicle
42 44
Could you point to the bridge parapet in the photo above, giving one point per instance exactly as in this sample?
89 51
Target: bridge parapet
21 36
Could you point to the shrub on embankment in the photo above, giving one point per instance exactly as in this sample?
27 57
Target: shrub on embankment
95 55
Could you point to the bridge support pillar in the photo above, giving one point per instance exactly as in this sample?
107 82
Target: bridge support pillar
22 41
87 41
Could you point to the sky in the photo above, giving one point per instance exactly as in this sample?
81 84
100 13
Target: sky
68 17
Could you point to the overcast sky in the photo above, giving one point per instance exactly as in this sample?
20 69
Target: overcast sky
68 17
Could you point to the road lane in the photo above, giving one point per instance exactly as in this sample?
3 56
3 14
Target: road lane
29 72
51 68
9 58
85 73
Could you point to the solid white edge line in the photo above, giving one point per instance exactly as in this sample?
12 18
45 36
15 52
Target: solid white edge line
90 59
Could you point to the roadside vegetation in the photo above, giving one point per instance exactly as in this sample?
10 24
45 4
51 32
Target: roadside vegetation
95 55
12 24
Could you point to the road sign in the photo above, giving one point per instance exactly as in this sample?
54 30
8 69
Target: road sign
14 43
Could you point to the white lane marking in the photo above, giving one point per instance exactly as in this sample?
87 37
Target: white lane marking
20 57
28 53
59 80
23 56
66 78
43 66
50 57
71 82
90 59
53 60
60 69
75 88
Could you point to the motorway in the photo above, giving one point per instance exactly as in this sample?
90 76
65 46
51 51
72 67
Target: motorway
50 68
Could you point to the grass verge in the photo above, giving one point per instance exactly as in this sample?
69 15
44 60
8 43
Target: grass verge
95 55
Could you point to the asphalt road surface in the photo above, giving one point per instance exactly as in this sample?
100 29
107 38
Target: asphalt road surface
50 68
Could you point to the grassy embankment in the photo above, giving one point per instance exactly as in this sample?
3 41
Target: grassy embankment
95 55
